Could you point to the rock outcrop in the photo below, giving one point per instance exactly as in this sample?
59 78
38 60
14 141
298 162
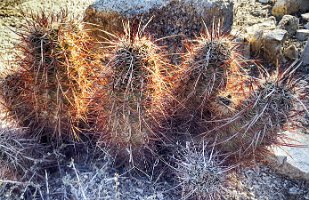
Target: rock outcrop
168 17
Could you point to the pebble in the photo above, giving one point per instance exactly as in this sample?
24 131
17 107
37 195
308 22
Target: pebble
276 35
264 1
294 191
302 34
289 23
283 7
291 52
305 17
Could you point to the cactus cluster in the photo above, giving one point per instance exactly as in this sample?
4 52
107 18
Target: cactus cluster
126 94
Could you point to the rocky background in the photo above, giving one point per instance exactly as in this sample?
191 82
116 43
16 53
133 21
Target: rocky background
272 32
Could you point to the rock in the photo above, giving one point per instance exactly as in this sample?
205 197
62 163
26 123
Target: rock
267 24
289 23
170 17
306 26
305 17
272 44
292 161
275 35
254 33
302 34
264 1
291 52
286 7
267 42
305 55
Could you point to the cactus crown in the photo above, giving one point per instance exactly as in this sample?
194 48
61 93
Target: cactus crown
201 172
53 81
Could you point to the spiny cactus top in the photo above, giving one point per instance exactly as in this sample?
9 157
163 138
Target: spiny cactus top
245 125
210 60
53 81
135 97
201 172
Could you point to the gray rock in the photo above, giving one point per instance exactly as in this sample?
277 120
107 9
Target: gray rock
264 1
267 42
272 44
286 7
170 17
291 52
278 35
302 34
305 55
306 26
292 161
289 23
267 24
305 17
254 33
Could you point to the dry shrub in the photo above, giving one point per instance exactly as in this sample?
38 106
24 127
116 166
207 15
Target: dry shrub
50 90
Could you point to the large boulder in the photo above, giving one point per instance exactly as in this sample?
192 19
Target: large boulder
169 17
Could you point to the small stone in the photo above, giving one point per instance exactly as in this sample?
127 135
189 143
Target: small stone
289 23
254 33
294 191
267 24
272 42
302 34
305 17
267 40
306 26
264 1
283 7
276 35
291 52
